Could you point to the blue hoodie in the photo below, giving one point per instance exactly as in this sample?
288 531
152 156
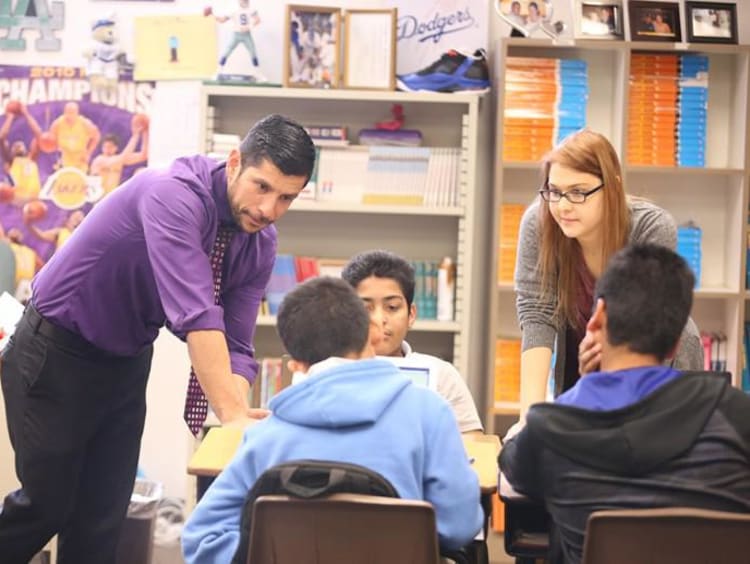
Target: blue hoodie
363 412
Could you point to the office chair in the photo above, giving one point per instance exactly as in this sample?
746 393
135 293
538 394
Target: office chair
308 481
342 528
670 535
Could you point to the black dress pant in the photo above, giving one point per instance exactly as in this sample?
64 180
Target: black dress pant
75 416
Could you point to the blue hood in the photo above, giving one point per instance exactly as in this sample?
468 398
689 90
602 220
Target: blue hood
316 402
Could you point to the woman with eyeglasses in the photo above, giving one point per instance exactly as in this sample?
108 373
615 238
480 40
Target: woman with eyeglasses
581 218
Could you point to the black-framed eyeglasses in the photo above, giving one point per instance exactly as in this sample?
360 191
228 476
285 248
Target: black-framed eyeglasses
574 196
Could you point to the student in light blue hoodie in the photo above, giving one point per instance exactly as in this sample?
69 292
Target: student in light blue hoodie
352 408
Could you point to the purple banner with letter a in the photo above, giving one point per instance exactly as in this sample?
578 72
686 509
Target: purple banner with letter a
64 147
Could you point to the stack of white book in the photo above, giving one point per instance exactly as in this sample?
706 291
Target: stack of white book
386 175
220 145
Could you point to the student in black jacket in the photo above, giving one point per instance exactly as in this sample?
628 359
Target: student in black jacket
636 434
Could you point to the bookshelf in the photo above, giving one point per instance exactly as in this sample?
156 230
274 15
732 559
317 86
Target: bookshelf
714 196
337 230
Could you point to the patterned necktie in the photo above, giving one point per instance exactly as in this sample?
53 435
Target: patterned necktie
196 404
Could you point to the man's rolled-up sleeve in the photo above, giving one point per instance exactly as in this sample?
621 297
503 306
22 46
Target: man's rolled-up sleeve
173 217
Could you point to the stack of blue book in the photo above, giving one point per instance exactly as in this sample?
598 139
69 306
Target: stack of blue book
282 281
425 288
573 80
693 103
689 247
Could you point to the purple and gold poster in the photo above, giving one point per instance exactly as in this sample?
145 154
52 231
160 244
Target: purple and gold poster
64 147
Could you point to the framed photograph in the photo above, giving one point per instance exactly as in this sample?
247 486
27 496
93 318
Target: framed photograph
311 47
711 22
599 19
367 32
654 21
524 16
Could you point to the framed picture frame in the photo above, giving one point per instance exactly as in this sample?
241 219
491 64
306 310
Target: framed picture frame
312 47
598 19
526 17
367 32
654 21
711 22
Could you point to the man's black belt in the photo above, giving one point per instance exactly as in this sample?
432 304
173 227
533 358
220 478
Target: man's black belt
61 336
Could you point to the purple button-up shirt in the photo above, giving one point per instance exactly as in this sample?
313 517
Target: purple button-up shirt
141 259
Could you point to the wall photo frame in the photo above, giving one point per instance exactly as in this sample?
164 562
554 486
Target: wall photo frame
711 22
654 21
598 19
370 49
312 46
527 17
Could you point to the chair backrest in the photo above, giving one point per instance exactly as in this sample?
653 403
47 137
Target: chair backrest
681 535
342 528
308 479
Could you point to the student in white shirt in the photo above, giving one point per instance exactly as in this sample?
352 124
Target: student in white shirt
385 282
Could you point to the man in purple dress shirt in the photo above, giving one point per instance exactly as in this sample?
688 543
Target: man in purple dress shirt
74 375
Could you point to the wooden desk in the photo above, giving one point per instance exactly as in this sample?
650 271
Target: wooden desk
212 455
220 443
215 451
483 451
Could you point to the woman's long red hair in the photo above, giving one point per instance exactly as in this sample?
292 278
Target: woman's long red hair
560 257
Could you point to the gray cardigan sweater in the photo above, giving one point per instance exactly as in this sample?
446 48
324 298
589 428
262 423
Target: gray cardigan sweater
648 224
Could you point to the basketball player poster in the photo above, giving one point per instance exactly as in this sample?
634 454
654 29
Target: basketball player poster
64 147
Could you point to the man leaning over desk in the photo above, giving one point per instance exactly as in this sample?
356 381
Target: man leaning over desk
190 246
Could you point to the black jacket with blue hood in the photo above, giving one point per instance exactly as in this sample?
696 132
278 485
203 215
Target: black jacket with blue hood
685 444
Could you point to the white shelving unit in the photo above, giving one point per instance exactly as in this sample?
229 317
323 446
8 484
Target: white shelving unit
339 230
714 197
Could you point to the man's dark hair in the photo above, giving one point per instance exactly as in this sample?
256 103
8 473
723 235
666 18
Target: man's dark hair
648 291
282 141
381 264
320 318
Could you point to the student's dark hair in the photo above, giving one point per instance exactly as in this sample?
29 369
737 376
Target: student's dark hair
648 292
320 318
281 140
381 264
112 138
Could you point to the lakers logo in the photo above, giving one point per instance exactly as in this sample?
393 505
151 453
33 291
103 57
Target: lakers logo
69 188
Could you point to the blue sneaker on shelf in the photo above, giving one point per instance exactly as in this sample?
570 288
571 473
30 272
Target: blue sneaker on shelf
454 71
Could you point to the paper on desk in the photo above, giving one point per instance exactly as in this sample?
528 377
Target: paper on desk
11 311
